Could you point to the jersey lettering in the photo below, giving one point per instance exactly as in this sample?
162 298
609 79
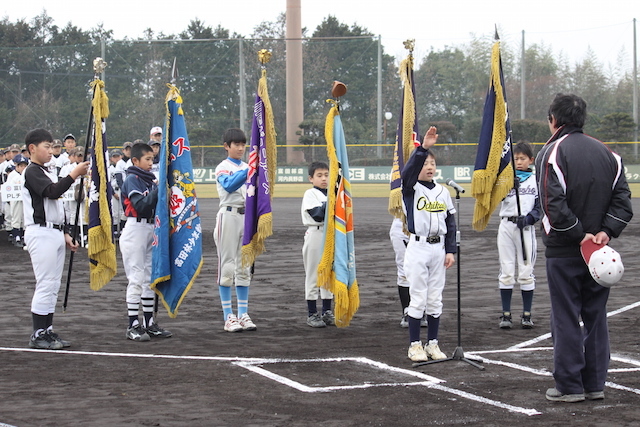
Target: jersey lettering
424 204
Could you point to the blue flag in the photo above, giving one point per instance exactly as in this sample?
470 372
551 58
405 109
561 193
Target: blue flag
177 240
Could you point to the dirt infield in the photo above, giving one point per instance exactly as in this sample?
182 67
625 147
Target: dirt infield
287 374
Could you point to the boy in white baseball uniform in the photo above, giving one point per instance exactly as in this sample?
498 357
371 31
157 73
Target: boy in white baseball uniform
139 197
399 241
314 206
46 233
510 242
431 222
231 176
17 216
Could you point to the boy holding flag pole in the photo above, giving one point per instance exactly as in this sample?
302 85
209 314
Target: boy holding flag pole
337 269
177 232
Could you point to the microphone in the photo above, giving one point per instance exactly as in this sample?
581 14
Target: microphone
453 184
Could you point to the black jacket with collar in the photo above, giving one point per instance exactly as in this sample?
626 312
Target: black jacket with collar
583 189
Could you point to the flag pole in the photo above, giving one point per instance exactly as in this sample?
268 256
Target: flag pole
516 187
173 80
98 67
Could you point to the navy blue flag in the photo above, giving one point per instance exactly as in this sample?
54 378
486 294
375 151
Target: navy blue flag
101 249
493 172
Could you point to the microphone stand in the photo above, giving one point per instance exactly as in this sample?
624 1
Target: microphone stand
458 353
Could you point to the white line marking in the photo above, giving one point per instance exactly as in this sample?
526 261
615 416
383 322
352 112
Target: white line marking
484 400
548 335
626 360
621 387
431 382
510 350
542 372
136 355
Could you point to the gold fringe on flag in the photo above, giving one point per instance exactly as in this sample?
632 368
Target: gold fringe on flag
265 222
487 186
346 299
101 250
408 121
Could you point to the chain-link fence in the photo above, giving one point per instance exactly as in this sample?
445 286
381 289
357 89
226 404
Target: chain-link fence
49 87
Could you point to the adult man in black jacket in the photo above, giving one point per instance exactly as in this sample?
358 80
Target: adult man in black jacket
584 196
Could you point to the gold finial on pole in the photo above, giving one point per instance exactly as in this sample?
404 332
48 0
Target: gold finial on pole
264 56
99 65
410 44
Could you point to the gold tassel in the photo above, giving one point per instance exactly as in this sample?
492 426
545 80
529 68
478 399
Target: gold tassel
325 267
101 248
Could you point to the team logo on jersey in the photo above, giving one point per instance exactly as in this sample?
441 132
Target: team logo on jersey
424 204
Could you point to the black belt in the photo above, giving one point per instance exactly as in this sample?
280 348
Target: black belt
428 239
513 219
239 210
51 225
147 220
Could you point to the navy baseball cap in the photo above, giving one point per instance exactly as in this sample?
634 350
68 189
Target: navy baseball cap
20 159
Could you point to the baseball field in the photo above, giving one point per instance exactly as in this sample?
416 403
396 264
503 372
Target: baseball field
288 374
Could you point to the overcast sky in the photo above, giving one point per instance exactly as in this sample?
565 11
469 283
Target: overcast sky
570 27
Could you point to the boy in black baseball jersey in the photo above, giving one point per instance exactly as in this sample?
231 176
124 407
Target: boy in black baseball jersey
430 220
46 232
139 198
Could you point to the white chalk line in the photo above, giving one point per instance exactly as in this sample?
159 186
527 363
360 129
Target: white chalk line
429 381
548 335
250 364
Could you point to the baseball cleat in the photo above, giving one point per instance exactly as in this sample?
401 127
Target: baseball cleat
505 321
44 341
246 323
315 321
328 318
423 321
416 352
156 331
526 321
232 324
137 333
65 343
433 351
404 322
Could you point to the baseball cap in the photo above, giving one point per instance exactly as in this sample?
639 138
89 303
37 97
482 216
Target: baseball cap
14 147
20 159
155 129
69 136
127 144
115 152
605 264
56 143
